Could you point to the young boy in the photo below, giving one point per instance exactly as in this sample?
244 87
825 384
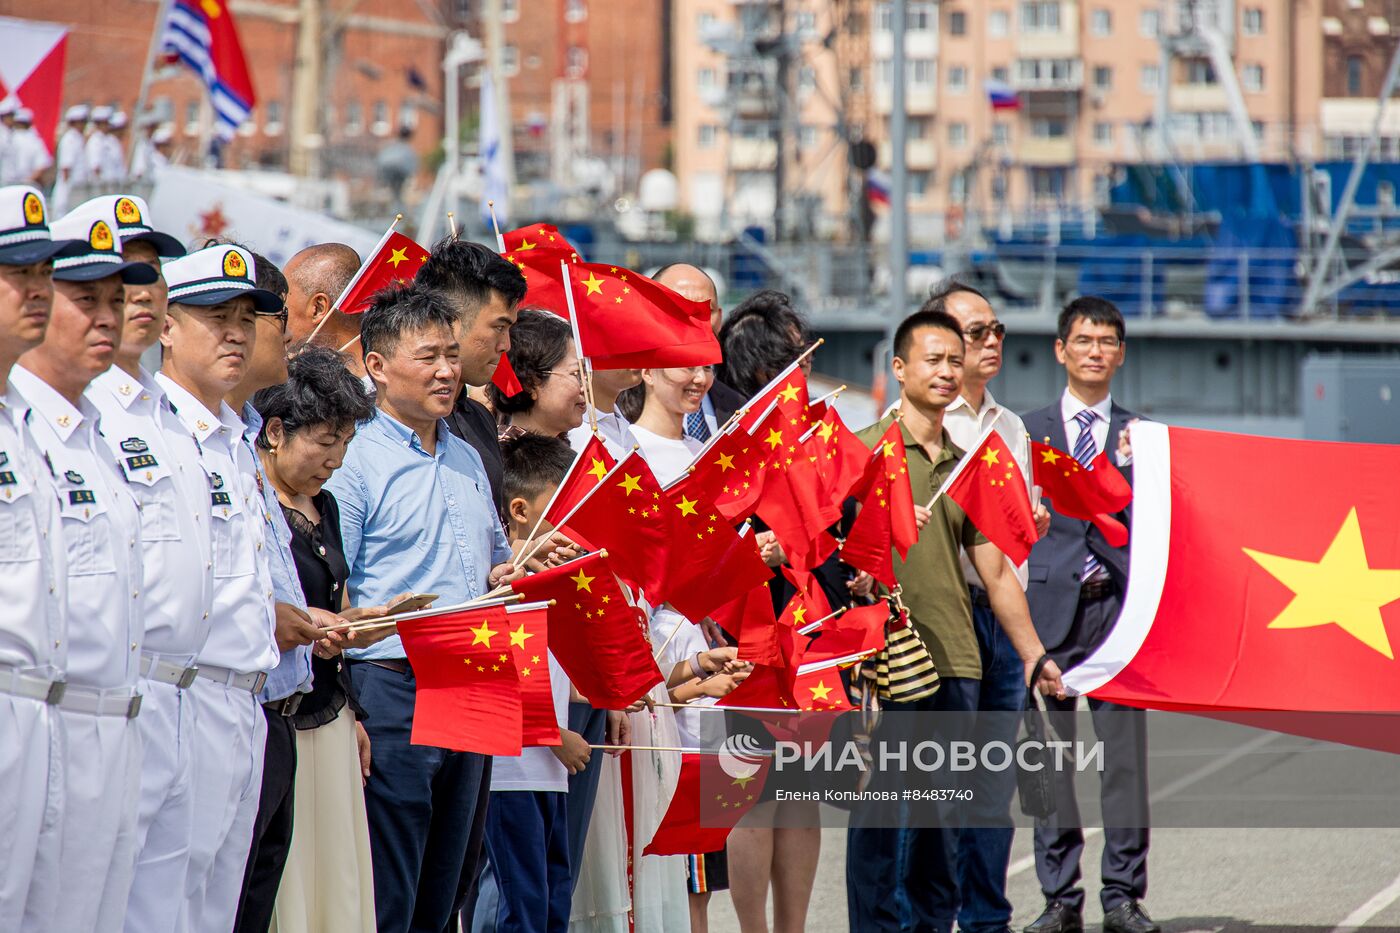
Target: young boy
526 829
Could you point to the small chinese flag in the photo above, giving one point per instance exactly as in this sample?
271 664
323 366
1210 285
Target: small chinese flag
730 473
628 321
821 690
544 277
886 519
395 261
989 486
709 563
857 632
594 631
751 621
789 392
535 236
527 629
505 379
1091 495
589 469
792 503
707 804
843 455
766 687
466 699
630 515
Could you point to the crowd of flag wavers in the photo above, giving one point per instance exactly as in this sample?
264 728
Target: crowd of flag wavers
398 595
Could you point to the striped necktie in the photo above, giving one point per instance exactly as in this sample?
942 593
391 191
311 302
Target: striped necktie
1085 450
697 427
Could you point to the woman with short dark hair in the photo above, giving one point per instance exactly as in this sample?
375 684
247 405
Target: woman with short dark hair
544 358
308 421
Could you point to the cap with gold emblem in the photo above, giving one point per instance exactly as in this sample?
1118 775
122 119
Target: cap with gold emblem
24 228
95 225
216 274
134 223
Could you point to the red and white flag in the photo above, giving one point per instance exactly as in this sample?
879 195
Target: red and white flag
31 70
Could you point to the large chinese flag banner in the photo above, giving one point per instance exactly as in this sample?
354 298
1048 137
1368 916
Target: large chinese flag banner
1265 576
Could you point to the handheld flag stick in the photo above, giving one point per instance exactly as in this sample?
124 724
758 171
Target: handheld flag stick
452 224
584 366
667 643
382 621
500 240
606 476
772 383
349 343
333 308
666 748
735 709
962 464
834 393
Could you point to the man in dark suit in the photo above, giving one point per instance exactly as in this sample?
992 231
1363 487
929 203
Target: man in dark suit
1077 581
721 402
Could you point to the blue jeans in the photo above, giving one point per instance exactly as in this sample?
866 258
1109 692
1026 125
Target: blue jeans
906 878
527 837
984 848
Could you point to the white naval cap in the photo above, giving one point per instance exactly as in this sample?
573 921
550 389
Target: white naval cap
117 121
77 113
8 106
94 224
163 134
134 223
24 230
101 113
24 115
216 274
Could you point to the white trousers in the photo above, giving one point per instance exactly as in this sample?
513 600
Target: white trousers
101 783
165 815
228 760
31 804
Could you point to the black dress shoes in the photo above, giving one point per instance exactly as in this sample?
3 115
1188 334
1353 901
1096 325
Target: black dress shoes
1058 917
1128 917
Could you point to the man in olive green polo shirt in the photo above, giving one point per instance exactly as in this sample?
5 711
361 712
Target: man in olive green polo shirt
907 878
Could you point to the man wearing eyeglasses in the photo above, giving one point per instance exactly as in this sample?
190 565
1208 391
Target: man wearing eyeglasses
1077 582
984 844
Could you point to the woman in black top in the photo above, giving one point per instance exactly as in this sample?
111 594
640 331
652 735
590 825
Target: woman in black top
308 422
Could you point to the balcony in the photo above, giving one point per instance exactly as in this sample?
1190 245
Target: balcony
747 154
1046 151
1061 75
918 99
919 154
1197 97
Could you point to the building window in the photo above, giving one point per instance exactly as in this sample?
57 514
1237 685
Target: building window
922 71
192 118
408 114
999 73
957 187
921 17
1252 77
379 125
575 11
957 23
704 24
884 72
806 137
806 79
918 127
510 60
1001 134
918 183
884 17
272 118
998 24
510 10
1103 77
1353 75
1150 23
1252 21
805 23
1048 128
707 134
354 118
1150 78
706 79
957 79
1103 135
855 79
1200 71
576 61
957 134
1101 22
1040 16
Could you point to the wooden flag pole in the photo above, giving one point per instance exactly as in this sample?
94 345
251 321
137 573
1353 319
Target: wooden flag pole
452 224
381 621
332 310
349 343
500 240
710 707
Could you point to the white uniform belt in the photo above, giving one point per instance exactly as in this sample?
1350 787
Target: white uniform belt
101 701
253 683
167 672
31 686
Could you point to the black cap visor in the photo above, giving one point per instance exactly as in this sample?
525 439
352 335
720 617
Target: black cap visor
132 273
166 245
26 254
264 301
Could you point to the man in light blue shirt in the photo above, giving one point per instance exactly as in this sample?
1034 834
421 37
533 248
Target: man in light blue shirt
416 514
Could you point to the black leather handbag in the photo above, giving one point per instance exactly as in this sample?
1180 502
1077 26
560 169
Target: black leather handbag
1034 784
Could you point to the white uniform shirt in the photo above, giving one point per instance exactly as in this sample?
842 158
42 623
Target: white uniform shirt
72 158
7 162
95 151
965 427
165 473
30 155
33 558
102 532
613 428
113 159
243 624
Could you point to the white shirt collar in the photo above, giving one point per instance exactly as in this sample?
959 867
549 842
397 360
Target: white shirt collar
195 415
962 404
128 389
1071 406
46 403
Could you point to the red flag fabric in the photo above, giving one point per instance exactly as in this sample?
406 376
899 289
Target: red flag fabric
843 456
707 803
989 486
732 471
886 519
505 379
544 278
630 515
590 467
528 632
789 392
628 321
467 696
709 563
857 632
31 73
792 503
395 261
1234 601
821 690
1092 495
535 236
766 687
750 620
594 631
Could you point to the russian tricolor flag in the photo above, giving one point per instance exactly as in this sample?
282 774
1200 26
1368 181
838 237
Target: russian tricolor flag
877 187
1002 95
